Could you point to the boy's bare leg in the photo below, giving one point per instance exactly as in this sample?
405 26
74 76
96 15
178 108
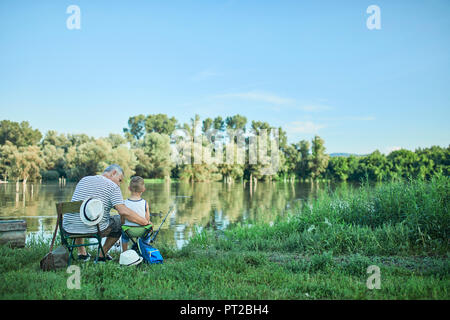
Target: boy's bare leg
124 244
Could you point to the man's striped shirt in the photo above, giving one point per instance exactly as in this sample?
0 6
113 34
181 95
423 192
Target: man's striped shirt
100 188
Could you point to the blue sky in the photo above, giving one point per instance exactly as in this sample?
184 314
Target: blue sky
312 67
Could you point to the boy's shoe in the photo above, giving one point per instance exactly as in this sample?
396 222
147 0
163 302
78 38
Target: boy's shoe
84 257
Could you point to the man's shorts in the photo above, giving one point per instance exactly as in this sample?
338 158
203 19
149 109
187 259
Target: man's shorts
114 228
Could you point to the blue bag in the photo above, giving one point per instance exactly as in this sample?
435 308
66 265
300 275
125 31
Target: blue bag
149 253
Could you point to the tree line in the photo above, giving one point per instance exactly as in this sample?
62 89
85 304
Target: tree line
147 142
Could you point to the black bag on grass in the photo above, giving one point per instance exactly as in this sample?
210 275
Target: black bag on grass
55 259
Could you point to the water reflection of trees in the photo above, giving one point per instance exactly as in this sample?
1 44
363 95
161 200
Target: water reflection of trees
212 205
36 204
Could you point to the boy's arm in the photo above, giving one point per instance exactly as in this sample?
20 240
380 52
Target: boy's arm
147 212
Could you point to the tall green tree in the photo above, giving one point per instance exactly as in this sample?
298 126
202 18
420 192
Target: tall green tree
219 123
116 140
154 157
374 166
192 127
52 138
79 139
291 159
26 164
254 168
353 164
124 157
319 159
160 123
207 125
89 158
303 168
236 122
7 152
402 164
136 128
54 158
19 134
338 168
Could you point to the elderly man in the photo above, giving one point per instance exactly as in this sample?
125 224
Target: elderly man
105 187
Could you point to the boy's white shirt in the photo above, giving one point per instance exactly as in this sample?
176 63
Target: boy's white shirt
137 206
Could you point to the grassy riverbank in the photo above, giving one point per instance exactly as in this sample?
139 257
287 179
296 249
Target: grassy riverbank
317 250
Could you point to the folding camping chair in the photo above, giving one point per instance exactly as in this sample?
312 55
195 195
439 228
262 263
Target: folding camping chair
70 207
134 232
144 231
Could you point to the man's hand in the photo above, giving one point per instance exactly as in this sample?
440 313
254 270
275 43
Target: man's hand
130 215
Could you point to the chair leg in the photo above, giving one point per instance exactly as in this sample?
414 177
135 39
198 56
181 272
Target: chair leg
135 245
100 247
71 249
70 256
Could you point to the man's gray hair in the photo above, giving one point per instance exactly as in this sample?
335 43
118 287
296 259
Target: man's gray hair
113 167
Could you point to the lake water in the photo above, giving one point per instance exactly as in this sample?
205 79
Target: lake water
212 205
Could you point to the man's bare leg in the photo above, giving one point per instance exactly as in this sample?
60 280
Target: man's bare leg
81 250
108 244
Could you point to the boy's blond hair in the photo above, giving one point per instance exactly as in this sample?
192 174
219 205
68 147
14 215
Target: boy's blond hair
137 184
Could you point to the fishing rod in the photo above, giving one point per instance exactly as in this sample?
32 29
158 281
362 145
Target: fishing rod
157 231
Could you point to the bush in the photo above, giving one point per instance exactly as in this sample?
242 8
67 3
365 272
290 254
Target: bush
50 175
403 217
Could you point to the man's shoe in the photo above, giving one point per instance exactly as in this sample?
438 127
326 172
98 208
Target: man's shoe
84 257
104 259
100 260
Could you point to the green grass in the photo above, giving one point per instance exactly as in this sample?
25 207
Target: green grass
320 250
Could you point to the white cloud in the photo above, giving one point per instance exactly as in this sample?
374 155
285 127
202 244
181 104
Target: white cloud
366 118
258 96
276 101
205 74
390 149
303 127
314 108
351 118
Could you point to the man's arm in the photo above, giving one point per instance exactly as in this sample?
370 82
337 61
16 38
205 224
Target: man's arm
130 215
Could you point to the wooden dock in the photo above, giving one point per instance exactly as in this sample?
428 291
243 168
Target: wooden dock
13 233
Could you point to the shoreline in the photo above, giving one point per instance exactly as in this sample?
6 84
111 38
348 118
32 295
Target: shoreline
325 249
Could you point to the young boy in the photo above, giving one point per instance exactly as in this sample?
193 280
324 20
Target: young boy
137 204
